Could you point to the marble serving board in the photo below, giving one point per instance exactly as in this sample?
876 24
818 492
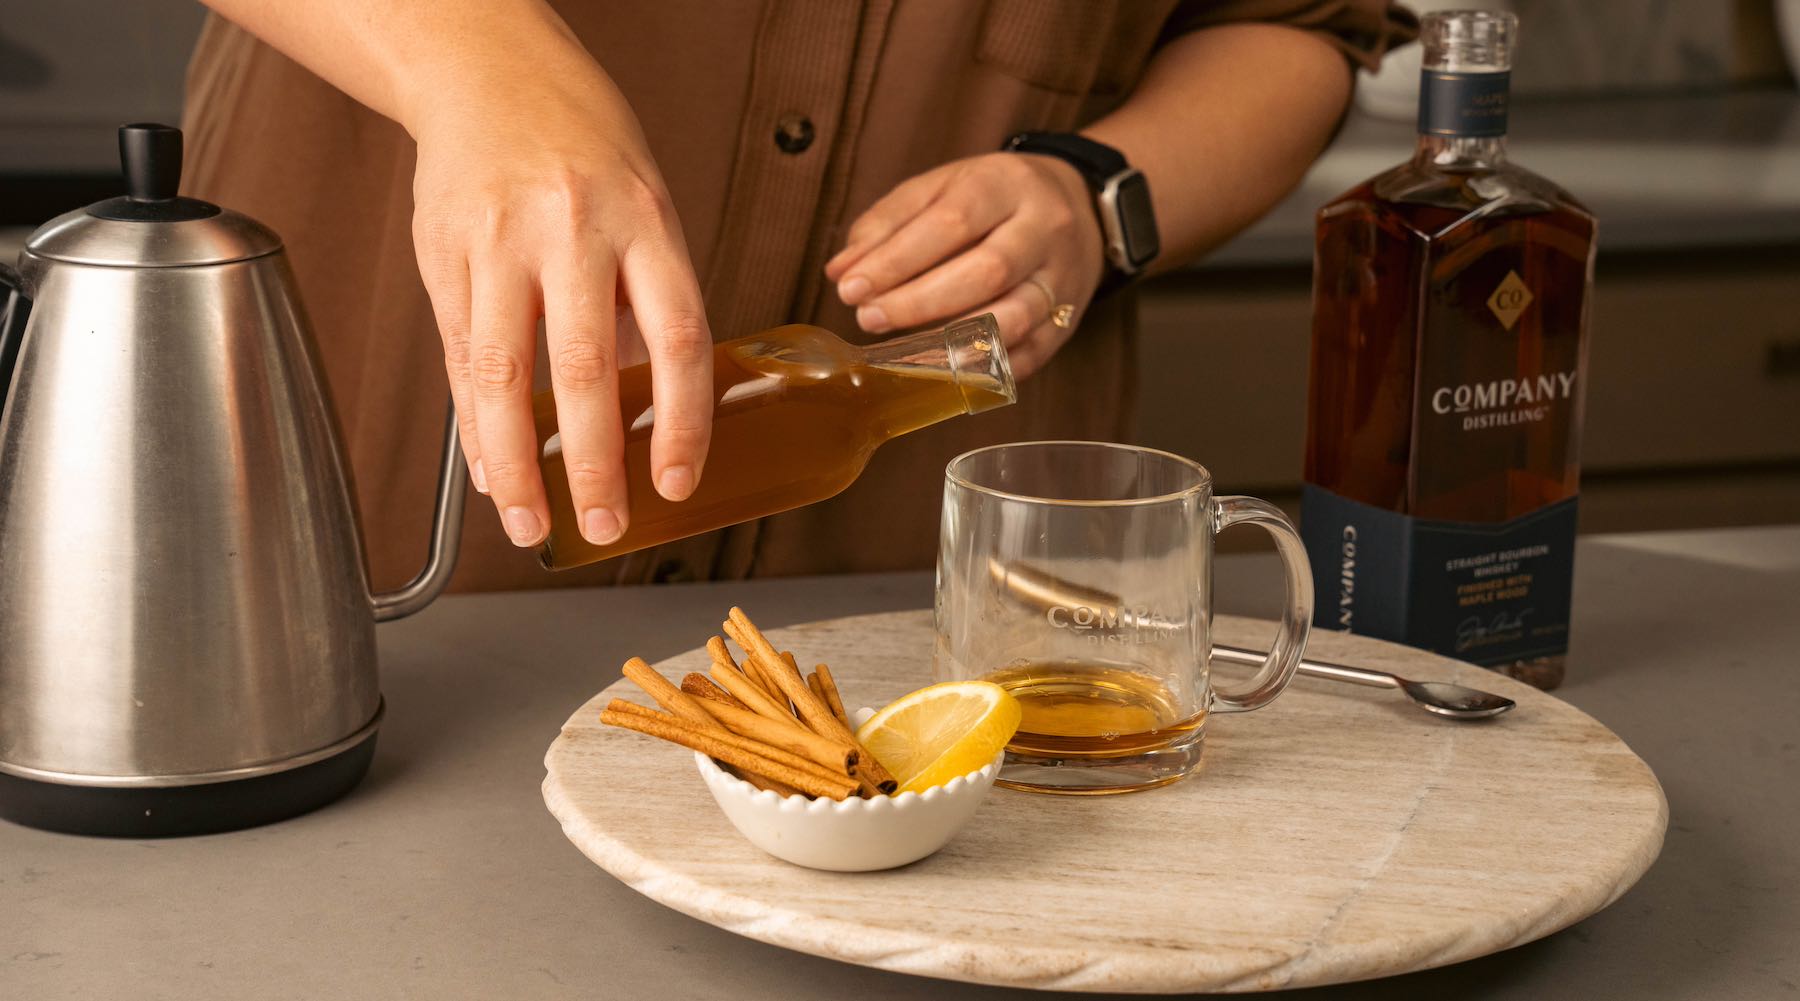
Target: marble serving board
1339 834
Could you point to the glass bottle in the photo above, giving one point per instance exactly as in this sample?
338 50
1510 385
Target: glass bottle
1450 314
797 413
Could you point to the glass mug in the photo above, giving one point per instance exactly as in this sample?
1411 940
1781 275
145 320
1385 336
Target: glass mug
1078 575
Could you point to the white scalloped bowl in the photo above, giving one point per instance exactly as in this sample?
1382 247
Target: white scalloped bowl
851 835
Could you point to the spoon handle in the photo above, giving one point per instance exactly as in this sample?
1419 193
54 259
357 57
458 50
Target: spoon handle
1318 669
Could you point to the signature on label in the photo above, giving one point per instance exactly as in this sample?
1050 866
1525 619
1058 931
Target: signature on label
1473 631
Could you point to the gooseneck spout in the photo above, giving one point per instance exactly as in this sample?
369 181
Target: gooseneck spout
446 535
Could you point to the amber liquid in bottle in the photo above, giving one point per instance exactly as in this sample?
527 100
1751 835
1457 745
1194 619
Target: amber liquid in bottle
797 413
1450 305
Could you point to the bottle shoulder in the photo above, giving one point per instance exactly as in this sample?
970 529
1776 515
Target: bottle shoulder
797 352
1432 202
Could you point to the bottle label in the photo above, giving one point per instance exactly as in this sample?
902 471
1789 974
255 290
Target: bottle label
1485 593
1463 104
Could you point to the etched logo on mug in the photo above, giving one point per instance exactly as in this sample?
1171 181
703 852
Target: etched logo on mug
1121 624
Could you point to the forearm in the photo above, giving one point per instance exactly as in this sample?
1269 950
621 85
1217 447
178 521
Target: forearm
1223 125
402 58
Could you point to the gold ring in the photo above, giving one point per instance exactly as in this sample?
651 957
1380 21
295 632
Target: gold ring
1061 314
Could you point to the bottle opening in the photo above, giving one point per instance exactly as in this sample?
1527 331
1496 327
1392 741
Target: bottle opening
1468 41
978 360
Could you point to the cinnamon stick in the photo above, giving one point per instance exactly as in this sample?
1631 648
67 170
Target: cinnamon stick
787 657
868 788
666 694
721 657
825 686
832 696
811 709
721 654
751 695
755 671
702 687
790 736
671 728
829 772
787 680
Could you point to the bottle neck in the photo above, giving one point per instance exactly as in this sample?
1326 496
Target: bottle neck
1462 117
1460 152
967 355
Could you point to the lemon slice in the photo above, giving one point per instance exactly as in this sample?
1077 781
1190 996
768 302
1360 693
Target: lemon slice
939 733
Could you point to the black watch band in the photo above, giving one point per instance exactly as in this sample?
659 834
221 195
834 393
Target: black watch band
1121 200
1096 160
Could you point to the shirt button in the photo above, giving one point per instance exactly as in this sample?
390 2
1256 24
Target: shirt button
794 133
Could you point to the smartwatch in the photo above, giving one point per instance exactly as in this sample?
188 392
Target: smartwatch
1121 199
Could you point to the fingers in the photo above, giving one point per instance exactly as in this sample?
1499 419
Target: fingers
884 217
584 367
1017 313
938 231
1023 316
665 298
502 346
632 349
1034 349
446 277
978 275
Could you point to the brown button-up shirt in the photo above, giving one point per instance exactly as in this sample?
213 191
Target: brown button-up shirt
775 124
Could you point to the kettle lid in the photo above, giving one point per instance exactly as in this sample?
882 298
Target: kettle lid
150 226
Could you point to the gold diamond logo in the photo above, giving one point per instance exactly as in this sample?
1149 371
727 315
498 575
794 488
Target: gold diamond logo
1510 299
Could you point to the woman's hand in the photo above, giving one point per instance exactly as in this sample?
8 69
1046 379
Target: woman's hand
540 199
534 198
1013 234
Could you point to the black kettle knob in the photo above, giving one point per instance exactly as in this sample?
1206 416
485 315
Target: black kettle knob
151 155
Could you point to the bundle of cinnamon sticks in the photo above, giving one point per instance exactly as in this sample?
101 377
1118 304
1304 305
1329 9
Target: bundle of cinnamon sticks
759 718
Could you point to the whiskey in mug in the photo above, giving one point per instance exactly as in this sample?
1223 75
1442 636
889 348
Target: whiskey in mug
1094 709
1450 315
797 413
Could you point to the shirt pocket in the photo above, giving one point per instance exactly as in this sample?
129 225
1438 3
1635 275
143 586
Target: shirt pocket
1071 46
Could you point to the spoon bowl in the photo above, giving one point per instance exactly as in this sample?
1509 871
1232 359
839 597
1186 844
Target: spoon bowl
1455 701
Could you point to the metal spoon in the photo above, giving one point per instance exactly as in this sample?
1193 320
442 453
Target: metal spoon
1440 697
1039 588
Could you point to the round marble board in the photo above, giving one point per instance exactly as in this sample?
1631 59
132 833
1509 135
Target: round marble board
1339 834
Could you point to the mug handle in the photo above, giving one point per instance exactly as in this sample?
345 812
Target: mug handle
1296 616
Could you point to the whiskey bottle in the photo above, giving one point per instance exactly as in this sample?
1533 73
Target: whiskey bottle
1449 345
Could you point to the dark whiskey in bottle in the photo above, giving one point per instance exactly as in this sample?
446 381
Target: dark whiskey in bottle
1449 346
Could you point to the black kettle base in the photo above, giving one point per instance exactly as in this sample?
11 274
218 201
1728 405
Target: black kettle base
173 811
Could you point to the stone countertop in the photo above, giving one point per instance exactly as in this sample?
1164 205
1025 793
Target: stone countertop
444 876
1660 172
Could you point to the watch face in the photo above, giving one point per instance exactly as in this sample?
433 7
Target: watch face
1137 220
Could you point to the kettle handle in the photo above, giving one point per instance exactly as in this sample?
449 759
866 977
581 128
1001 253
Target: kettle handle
446 535
14 308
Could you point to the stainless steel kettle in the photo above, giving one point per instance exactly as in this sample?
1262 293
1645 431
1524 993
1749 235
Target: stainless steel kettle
187 638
